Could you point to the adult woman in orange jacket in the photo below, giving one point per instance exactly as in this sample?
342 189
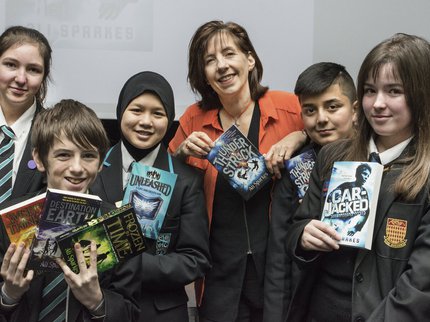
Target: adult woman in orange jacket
226 71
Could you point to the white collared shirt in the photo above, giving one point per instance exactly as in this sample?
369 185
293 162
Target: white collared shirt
21 128
392 153
127 160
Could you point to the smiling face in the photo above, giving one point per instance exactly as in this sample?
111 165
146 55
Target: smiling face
328 116
21 75
144 121
227 67
69 167
384 104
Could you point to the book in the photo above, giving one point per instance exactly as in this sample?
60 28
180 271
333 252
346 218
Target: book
351 201
117 235
62 211
149 190
21 220
239 162
299 168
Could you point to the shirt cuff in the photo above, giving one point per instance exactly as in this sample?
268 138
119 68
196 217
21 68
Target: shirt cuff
99 312
6 301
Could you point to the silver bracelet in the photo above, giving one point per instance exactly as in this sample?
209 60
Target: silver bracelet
99 311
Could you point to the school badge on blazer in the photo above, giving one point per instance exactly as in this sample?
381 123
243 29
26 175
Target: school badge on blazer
395 233
162 244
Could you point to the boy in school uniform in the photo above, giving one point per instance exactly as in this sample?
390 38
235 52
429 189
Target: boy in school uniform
69 145
328 100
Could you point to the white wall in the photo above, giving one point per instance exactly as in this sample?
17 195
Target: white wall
99 44
346 30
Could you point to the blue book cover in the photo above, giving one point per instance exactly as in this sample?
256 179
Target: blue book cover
351 201
299 169
62 211
239 161
149 190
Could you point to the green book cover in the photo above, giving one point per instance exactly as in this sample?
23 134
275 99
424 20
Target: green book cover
117 234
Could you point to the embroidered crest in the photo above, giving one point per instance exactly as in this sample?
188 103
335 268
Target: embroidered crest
395 233
162 244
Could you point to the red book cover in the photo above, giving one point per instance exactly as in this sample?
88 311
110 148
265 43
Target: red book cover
21 219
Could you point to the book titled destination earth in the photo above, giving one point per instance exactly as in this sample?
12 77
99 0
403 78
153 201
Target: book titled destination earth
62 211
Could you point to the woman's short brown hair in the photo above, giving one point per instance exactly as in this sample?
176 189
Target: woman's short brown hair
196 63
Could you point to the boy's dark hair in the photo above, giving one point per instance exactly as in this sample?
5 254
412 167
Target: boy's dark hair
315 79
75 121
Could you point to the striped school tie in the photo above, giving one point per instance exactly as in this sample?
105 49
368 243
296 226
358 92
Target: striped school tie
374 157
54 299
7 149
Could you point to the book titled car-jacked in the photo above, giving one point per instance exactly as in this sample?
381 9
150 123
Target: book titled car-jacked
299 169
117 236
149 190
239 161
351 201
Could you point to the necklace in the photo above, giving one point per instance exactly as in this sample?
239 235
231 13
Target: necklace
236 118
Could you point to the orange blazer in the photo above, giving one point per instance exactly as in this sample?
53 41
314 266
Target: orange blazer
280 115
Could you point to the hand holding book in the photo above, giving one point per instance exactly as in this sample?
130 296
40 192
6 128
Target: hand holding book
84 284
319 236
351 201
240 162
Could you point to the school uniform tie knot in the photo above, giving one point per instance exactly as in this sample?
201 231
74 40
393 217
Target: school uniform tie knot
7 141
8 131
7 151
374 157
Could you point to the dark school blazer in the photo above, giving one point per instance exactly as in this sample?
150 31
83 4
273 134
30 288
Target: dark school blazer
388 283
118 305
281 273
180 256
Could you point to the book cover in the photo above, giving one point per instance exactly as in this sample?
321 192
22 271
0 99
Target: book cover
117 234
149 190
239 161
21 219
351 201
299 168
62 211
